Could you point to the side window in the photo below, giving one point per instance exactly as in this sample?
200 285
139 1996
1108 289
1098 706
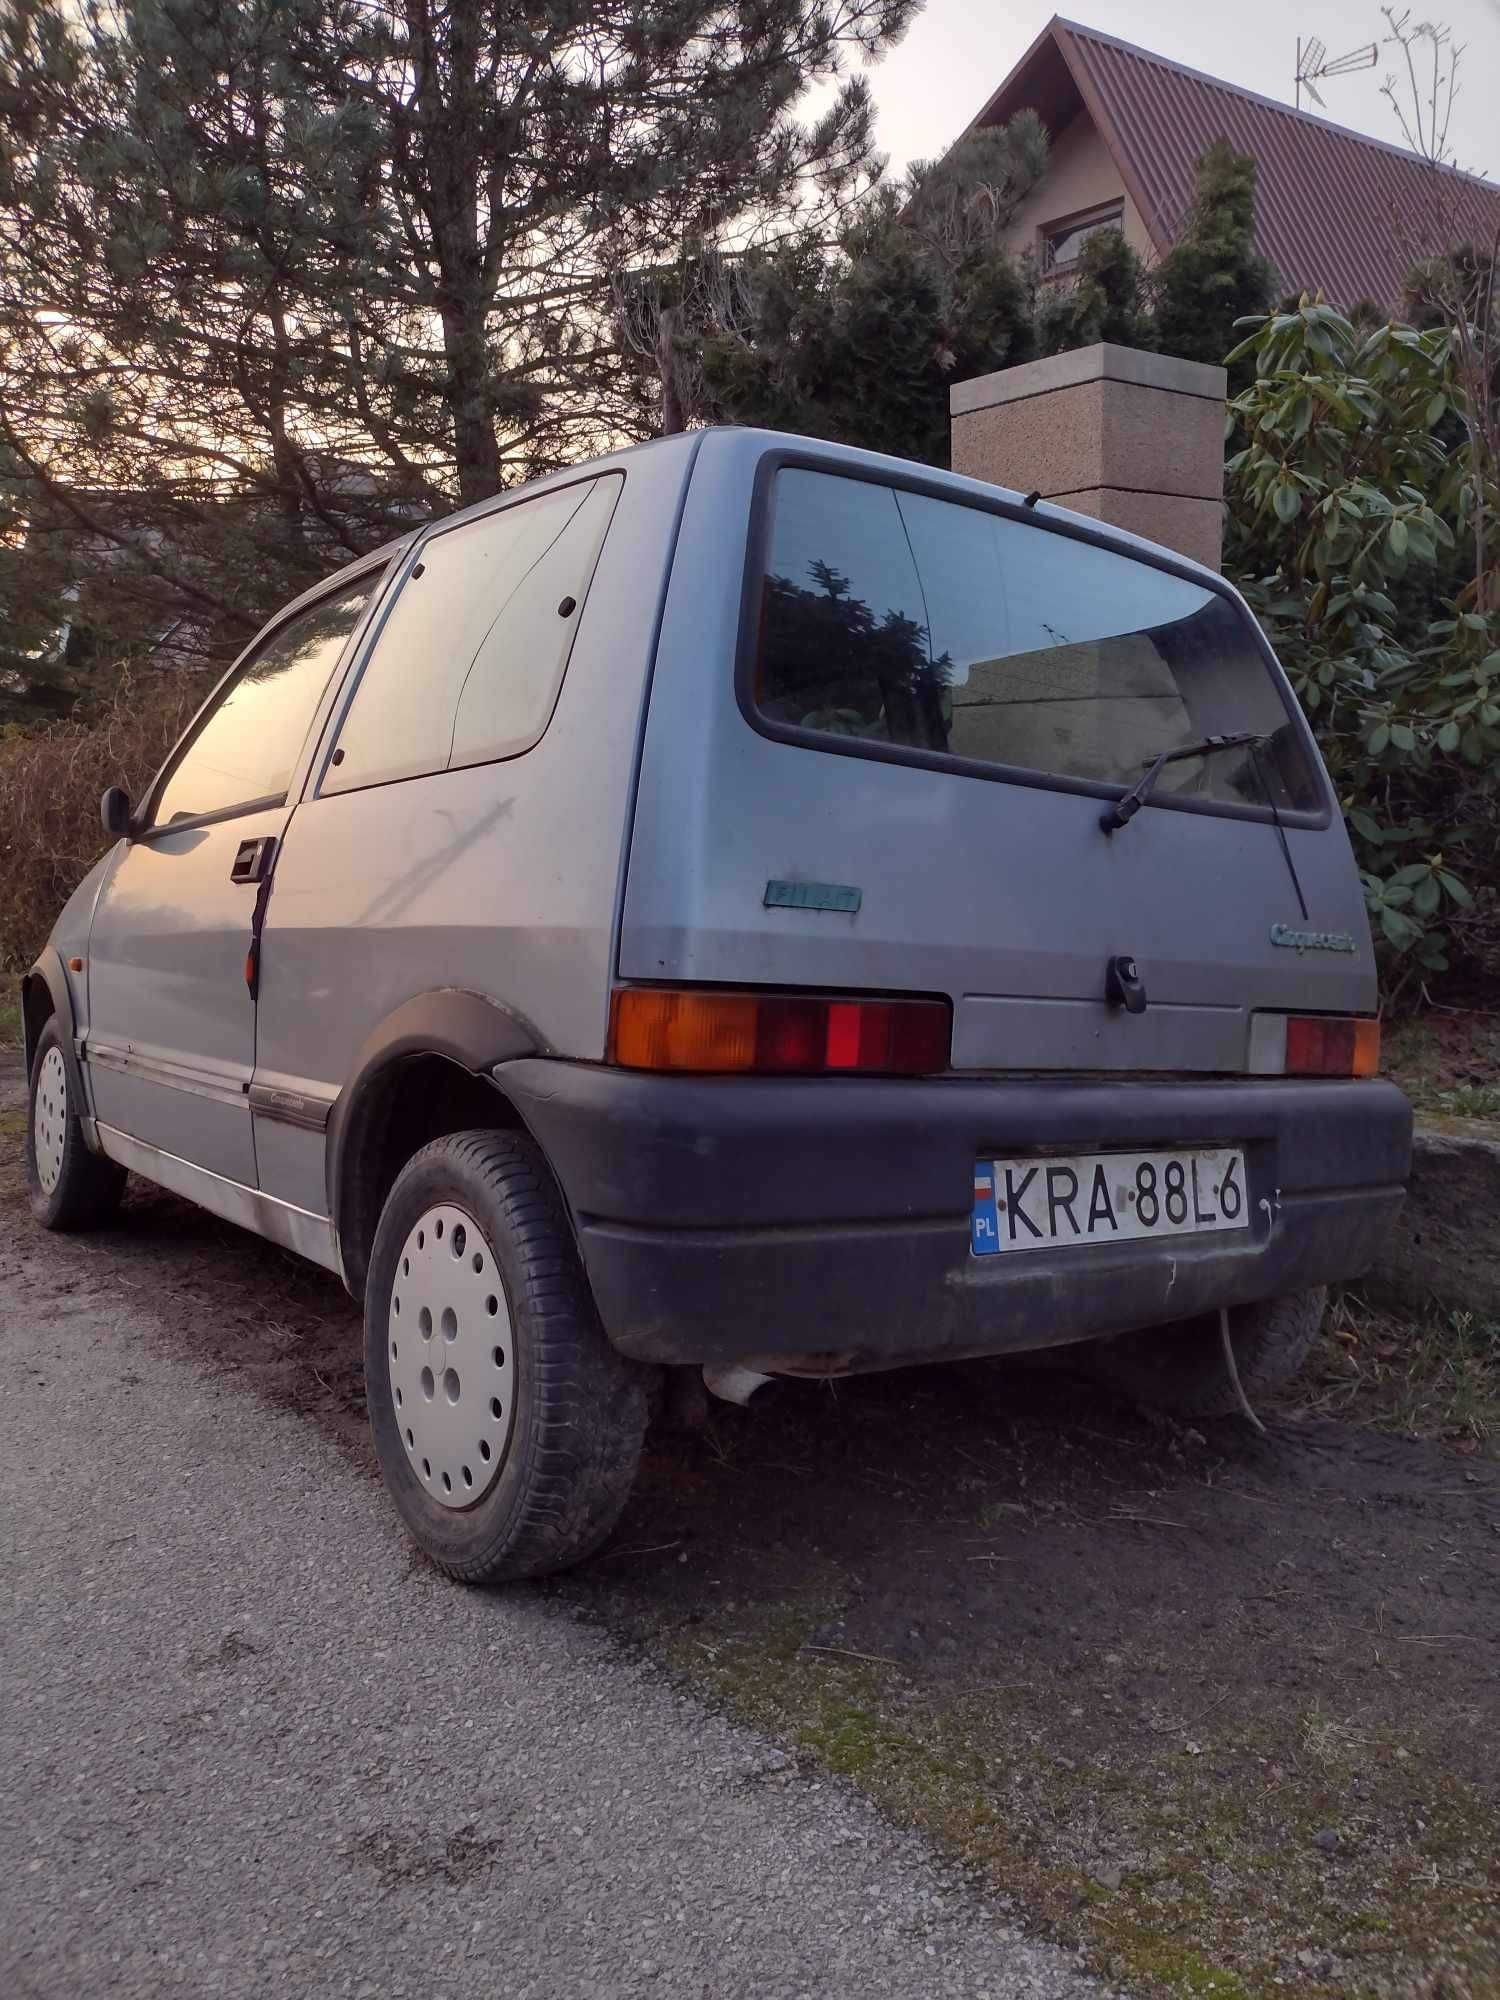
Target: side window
469 662
247 746
899 618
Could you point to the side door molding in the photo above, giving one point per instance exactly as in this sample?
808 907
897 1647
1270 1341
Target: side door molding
305 1108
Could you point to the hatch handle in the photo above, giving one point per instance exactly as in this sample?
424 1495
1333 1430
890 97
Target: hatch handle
1123 984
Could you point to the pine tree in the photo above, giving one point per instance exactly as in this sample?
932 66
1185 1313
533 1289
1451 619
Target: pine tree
278 276
1214 275
859 338
1104 301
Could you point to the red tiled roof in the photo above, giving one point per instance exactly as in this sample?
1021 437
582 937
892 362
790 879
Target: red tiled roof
1334 210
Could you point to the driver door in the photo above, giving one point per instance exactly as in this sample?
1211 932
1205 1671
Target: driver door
171 1039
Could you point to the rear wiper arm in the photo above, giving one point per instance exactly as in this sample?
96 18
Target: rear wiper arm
1123 810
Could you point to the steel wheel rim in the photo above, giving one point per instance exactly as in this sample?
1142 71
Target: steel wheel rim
49 1119
450 1358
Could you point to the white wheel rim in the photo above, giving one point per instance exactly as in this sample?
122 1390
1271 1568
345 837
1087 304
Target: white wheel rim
448 1349
49 1119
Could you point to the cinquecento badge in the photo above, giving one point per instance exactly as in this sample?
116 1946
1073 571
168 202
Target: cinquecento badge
1292 940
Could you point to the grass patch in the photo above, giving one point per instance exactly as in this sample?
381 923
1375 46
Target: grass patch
1169 1966
1185 1877
1447 1063
1422 1375
10 1020
1468 1101
1214 1710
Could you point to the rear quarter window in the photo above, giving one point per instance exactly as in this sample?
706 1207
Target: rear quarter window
889 616
467 666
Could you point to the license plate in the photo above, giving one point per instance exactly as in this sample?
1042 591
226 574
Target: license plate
1033 1204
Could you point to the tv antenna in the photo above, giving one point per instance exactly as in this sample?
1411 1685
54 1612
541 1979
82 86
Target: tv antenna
1314 64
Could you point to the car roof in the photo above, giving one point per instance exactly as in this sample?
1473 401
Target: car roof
757 441
963 487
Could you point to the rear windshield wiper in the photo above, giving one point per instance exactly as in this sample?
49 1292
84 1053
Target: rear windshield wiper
1123 810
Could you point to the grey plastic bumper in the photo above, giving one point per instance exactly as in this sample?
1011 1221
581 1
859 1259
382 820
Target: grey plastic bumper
727 1218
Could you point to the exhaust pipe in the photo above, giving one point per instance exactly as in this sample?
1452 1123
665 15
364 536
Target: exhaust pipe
733 1383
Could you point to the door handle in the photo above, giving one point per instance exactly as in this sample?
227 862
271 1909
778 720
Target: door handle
252 861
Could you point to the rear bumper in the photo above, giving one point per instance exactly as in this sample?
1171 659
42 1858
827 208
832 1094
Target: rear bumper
735 1218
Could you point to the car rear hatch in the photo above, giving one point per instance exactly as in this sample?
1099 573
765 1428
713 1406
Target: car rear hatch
940 700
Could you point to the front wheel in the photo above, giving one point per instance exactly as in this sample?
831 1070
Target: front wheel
1181 1368
508 1429
69 1187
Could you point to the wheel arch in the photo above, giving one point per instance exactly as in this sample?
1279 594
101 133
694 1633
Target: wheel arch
425 1071
45 995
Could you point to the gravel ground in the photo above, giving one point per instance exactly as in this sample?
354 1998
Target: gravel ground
252 1745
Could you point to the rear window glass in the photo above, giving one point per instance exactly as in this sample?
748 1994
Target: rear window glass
896 618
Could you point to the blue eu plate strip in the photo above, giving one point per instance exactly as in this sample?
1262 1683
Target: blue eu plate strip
985 1223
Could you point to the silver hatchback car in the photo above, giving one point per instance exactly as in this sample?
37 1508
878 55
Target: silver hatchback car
741 903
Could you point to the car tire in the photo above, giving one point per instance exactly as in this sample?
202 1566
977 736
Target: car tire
1180 1369
69 1187
508 1430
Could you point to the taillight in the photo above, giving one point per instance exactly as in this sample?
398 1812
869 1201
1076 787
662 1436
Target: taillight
1323 1045
652 1027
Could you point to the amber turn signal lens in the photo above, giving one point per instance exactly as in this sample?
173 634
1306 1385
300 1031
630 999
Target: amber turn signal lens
1322 1045
776 1033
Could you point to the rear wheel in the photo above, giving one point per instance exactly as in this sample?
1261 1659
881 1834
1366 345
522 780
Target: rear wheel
508 1429
1181 1369
69 1187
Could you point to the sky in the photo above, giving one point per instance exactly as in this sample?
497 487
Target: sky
958 51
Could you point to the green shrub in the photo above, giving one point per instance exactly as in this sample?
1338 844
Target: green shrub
1347 497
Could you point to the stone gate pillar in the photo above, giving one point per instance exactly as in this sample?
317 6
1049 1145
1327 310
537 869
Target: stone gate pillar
1135 439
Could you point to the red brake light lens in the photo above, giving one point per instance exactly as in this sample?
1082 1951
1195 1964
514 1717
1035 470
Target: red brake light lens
777 1034
1324 1045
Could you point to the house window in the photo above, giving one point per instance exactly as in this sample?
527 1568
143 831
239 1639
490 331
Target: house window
1062 242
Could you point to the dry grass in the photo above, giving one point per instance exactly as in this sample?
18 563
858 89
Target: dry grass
1429 1375
50 783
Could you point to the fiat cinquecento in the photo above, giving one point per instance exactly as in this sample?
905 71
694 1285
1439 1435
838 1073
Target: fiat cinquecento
748 904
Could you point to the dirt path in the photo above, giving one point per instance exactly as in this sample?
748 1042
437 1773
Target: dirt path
1222 1709
251 1749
